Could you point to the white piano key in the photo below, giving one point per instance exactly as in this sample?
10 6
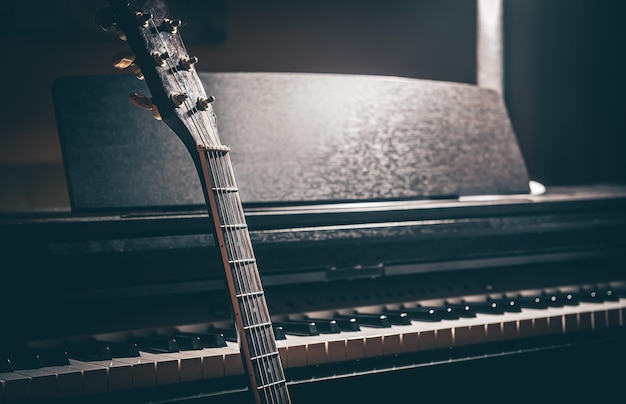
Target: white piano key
43 384
69 380
383 341
316 352
189 365
15 387
233 364
295 348
336 350
119 374
149 369
410 341
212 363
166 367
94 377
143 371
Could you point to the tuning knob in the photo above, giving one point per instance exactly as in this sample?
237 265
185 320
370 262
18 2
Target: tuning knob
144 102
171 25
160 58
203 103
122 60
105 18
136 70
188 63
178 99
143 18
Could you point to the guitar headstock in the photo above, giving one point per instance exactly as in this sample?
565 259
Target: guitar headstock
160 58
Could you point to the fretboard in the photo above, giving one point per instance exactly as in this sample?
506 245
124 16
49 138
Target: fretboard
252 318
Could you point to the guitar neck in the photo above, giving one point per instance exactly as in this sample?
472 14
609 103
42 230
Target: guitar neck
252 318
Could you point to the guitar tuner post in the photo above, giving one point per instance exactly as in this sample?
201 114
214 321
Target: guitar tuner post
105 18
178 99
171 25
187 63
203 103
160 58
143 18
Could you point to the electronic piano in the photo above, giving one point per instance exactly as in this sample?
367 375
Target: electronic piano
403 254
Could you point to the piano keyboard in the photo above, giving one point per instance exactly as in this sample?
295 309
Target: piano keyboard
33 373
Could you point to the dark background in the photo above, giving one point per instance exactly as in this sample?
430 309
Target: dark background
564 74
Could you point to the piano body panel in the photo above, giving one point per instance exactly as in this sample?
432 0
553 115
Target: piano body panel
90 264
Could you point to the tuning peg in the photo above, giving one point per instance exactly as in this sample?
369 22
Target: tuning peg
188 63
105 18
140 101
122 60
143 18
144 102
159 58
178 99
203 103
171 25
136 70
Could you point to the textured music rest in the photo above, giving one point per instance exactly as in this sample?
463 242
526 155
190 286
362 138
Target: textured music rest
294 137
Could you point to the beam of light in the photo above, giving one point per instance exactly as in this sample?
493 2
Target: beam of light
489 55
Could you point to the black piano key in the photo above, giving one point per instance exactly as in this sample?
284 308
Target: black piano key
486 307
619 291
567 298
555 299
121 349
155 344
230 334
326 326
20 357
609 293
367 319
298 327
590 295
532 302
397 317
88 351
430 313
460 309
208 339
279 333
53 356
5 364
184 342
508 304
344 323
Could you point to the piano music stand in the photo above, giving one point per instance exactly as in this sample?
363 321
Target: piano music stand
295 137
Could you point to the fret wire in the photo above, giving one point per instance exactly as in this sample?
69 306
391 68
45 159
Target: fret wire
220 183
237 215
234 253
260 365
245 280
226 217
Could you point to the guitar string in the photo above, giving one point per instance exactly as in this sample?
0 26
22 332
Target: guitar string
217 181
233 210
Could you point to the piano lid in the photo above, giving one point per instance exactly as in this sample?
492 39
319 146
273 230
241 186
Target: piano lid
295 138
